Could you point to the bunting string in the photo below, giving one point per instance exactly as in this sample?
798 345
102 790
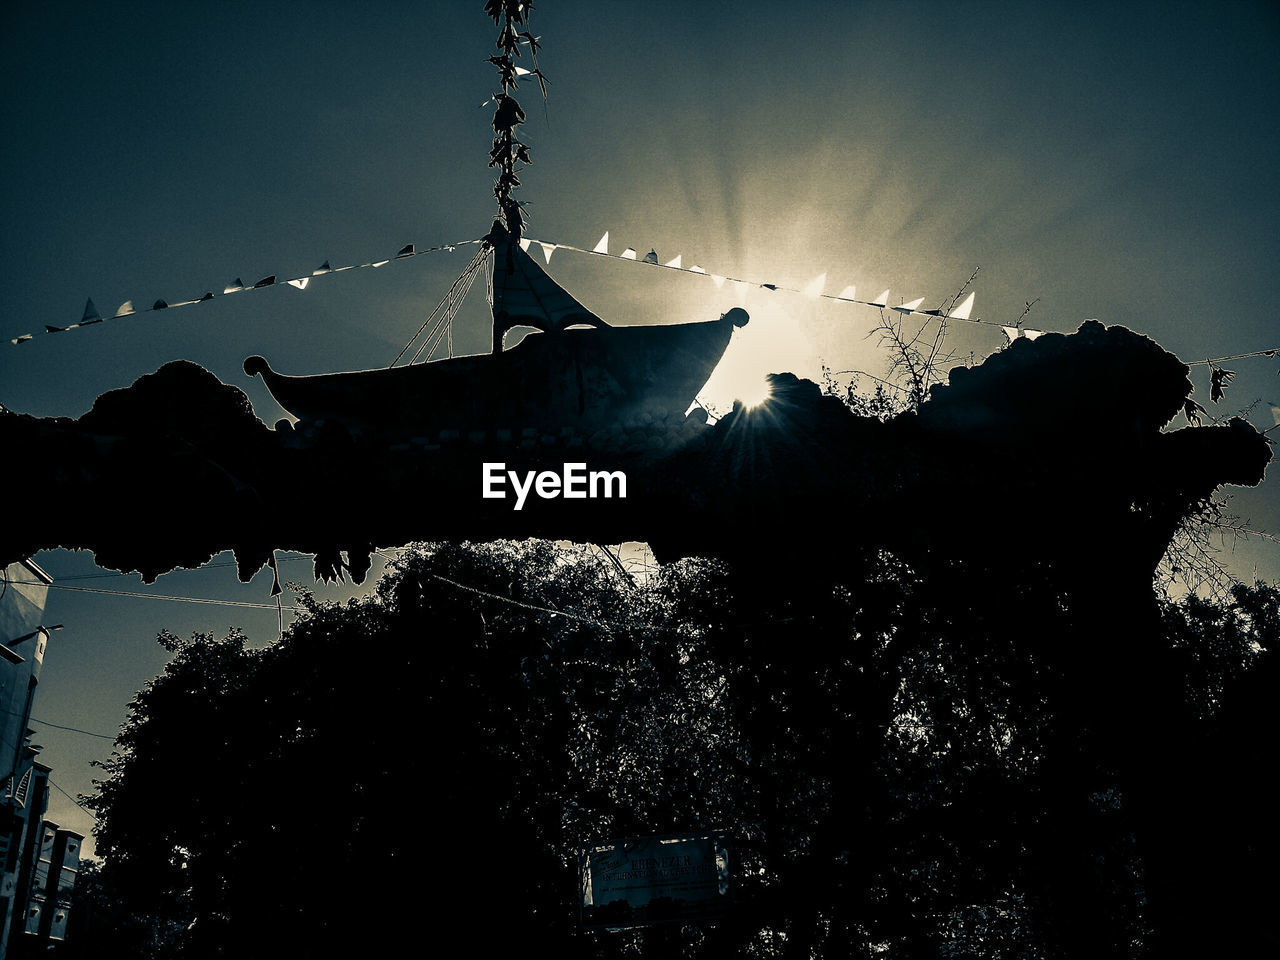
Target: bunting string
814 291
92 316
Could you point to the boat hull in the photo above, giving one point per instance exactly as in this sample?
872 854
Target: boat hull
581 379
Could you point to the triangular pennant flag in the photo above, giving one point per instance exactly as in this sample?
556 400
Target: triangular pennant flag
265 282
547 250
908 307
207 296
323 268
603 245
523 71
22 339
380 263
629 253
300 283
348 267
768 286
962 312
717 280
651 256
814 287
52 329
1012 333
696 269
126 308
90 313
1032 334
673 263
848 293
159 305
524 244
275 575
1275 410
405 251
234 287
882 300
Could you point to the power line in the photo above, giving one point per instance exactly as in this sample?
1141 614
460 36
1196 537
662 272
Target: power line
47 723
58 726
74 800
160 596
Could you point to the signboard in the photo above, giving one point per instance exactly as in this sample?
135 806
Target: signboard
645 880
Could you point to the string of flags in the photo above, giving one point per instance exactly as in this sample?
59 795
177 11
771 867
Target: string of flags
127 309
814 291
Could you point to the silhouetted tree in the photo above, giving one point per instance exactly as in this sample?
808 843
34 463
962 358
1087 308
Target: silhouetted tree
913 758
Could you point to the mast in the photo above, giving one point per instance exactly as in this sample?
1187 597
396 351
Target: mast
509 152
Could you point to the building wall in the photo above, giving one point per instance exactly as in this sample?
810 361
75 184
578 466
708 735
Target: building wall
23 779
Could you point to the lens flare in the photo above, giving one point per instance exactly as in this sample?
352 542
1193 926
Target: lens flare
771 343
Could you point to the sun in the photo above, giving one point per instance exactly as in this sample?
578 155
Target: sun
772 342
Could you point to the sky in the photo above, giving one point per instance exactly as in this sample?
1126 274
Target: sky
1110 161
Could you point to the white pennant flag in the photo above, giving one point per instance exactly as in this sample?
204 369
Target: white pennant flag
1032 334
547 250
717 280
300 283
603 245
524 244
909 307
126 308
882 300
1011 332
813 289
1275 414
323 268
629 253
696 269
848 293
380 263
962 312
234 287
673 263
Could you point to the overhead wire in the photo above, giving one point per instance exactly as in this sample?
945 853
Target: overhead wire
159 596
94 816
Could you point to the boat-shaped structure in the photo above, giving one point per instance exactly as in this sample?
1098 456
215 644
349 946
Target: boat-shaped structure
575 371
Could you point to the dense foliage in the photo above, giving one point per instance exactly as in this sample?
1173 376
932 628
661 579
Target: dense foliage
911 762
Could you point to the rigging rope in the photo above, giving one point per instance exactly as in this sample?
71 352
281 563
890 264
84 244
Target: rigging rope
445 309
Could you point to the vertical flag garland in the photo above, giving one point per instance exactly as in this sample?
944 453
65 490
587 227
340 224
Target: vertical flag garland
508 150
